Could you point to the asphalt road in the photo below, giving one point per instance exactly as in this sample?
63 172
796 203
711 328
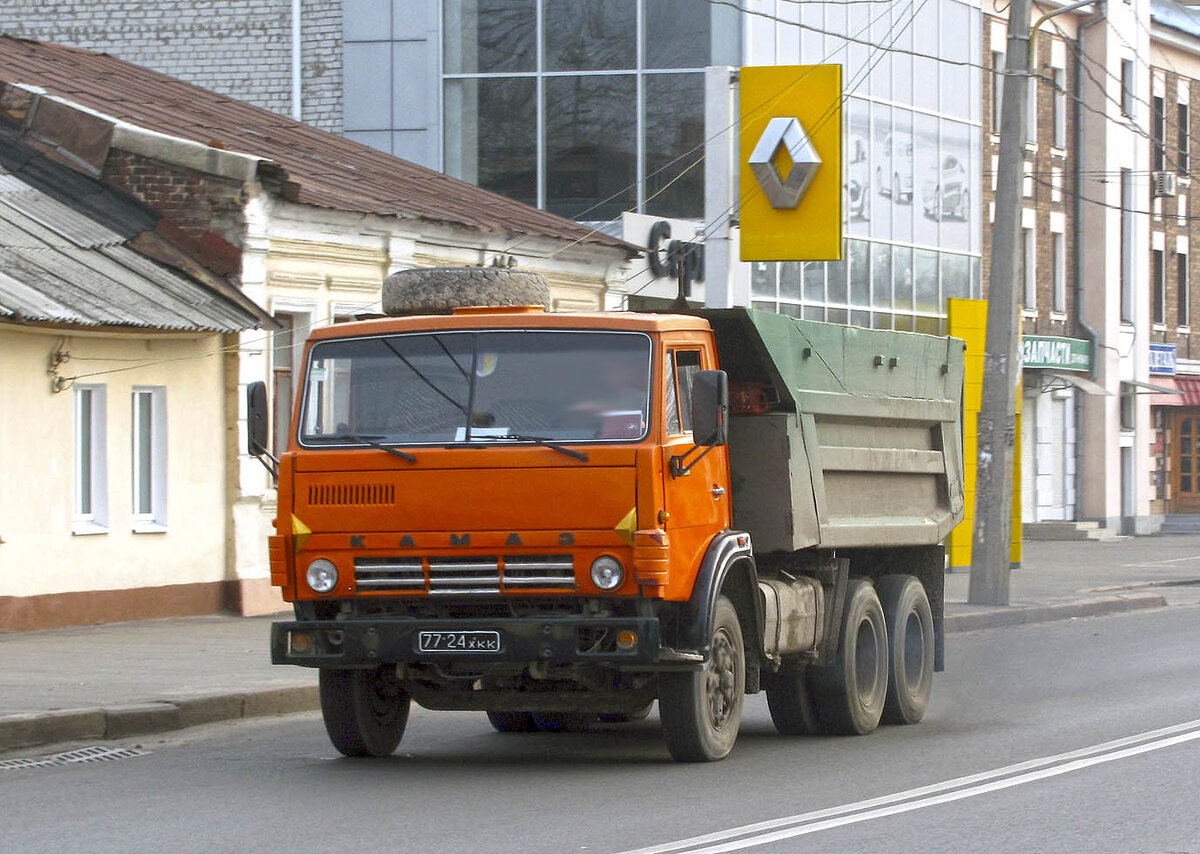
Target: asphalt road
1040 738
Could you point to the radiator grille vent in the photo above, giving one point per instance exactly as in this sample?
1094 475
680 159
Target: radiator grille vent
351 494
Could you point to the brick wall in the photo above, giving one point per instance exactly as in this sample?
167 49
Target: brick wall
1044 157
1165 219
240 48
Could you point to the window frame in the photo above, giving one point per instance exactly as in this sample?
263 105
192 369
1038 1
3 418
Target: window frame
1183 288
683 409
1158 285
92 519
153 519
1058 271
1128 89
1183 138
1158 133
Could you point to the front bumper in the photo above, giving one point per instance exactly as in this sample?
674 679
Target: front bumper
554 640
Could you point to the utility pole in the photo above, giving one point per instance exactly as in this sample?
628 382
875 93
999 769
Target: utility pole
990 562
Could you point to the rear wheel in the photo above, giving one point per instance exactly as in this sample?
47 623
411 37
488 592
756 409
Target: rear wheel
511 721
365 711
850 695
701 710
910 648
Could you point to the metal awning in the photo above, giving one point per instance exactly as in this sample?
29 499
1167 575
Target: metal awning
1151 388
1087 386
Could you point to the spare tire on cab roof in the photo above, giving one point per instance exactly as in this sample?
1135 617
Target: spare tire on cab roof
440 290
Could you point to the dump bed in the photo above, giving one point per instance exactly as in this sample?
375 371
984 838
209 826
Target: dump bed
862 443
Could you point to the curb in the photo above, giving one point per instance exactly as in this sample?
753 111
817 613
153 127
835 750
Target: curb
37 729
1022 615
1142 585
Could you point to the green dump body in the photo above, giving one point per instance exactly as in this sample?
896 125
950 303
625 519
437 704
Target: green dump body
862 446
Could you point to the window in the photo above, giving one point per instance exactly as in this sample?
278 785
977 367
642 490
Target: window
149 459
1184 139
1028 269
1158 132
286 352
90 507
997 89
1058 269
1128 92
1182 293
1126 252
1031 110
587 108
1060 108
1158 276
682 364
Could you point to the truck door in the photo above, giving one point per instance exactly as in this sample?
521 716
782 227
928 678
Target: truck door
698 502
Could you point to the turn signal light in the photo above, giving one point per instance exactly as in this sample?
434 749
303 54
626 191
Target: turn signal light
301 643
626 641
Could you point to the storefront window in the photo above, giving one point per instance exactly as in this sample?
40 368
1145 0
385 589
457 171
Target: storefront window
674 122
590 35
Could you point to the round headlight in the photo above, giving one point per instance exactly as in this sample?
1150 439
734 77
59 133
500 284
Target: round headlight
322 575
607 572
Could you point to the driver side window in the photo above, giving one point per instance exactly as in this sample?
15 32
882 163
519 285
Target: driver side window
681 364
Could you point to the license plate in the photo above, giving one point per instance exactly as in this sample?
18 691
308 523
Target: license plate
475 641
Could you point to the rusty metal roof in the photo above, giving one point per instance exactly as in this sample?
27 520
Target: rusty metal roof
65 258
329 170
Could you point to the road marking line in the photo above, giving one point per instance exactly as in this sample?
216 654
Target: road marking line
774 830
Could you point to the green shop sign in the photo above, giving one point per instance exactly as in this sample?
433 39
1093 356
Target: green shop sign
1063 354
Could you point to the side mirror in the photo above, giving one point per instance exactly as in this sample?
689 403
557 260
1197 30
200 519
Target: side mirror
256 419
710 408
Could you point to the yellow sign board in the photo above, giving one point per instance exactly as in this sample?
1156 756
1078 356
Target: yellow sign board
791 163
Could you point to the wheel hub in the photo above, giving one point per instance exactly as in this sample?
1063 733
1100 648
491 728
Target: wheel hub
721 680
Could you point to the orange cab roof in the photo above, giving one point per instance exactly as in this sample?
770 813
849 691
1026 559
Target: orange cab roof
508 319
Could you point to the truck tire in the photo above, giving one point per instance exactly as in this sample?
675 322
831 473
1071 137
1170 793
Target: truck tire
701 710
512 721
910 648
440 290
365 711
850 695
790 701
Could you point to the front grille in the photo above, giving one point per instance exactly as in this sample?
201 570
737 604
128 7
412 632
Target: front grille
387 573
351 494
465 575
539 571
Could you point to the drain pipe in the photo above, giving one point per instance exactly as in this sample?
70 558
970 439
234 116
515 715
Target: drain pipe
1080 320
297 66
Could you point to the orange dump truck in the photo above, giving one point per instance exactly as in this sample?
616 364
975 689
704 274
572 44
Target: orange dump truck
556 518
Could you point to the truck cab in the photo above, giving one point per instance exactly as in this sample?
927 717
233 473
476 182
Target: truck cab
532 515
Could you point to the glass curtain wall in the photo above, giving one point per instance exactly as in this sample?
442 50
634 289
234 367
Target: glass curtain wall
587 108
911 160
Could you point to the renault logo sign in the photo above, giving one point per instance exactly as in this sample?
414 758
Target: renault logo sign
790 175
784 135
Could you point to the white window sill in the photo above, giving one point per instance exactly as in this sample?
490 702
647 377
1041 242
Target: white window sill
1184 330
1061 153
1159 327
1029 313
87 529
1058 317
149 528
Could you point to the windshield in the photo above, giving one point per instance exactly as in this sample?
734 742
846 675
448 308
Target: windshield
516 385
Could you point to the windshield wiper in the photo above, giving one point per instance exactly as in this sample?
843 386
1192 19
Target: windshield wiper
537 440
371 441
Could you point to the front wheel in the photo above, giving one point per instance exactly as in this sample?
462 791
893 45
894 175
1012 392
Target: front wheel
701 710
850 694
365 711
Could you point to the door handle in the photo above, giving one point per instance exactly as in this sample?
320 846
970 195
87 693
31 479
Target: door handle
718 491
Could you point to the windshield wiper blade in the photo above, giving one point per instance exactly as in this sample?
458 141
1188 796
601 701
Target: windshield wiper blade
371 441
540 440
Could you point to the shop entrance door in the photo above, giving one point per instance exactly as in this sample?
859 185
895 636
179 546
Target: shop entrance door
1185 462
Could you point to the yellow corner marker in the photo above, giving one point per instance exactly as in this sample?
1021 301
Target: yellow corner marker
300 533
627 526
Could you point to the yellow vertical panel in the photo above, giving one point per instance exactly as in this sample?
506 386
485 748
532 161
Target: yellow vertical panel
967 319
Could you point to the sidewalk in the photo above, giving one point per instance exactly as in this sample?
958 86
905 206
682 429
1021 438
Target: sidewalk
130 679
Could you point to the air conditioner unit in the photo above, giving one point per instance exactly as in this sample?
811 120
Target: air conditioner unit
1163 184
